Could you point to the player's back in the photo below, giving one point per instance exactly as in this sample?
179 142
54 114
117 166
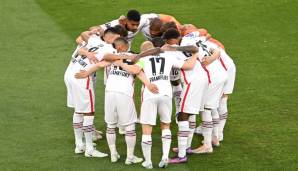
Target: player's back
157 69
120 80
95 44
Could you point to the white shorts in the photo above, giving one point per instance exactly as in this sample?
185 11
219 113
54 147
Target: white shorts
81 95
150 107
214 90
67 81
229 84
119 109
192 95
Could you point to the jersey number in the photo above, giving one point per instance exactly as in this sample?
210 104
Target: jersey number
160 61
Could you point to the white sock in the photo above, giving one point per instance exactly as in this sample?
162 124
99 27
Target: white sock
111 138
77 123
215 121
183 131
88 130
146 147
207 127
176 94
130 138
192 127
166 138
223 114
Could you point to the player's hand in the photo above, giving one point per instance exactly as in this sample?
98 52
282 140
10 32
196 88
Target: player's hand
92 57
153 88
82 74
122 19
206 61
118 62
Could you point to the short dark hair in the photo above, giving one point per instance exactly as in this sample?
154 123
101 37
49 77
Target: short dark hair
121 30
157 42
155 24
168 25
121 40
171 34
133 15
111 30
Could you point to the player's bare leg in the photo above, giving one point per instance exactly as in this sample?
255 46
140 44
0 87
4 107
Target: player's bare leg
130 138
223 115
166 137
146 145
88 129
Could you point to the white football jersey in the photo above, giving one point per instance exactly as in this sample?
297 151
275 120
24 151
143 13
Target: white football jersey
205 47
157 69
94 44
120 80
145 24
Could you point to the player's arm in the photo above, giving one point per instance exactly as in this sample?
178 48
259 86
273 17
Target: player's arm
153 51
113 57
133 69
188 49
209 59
90 55
151 87
190 63
97 66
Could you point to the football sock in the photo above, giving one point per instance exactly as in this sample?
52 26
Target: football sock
166 138
223 114
192 127
111 138
88 130
183 131
215 121
207 127
130 138
146 147
77 123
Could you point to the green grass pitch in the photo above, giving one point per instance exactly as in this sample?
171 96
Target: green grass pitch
37 39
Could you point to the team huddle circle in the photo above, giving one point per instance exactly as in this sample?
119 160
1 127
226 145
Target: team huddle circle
179 62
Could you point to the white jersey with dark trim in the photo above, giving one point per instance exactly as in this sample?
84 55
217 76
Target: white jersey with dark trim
157 69
120 80
94 44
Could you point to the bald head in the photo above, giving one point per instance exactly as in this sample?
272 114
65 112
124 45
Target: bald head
146 46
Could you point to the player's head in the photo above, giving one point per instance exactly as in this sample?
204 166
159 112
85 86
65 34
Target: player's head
133 18
157 42
146 46
121 30
187 28
172 36
121 44
155 27
110 34
168 25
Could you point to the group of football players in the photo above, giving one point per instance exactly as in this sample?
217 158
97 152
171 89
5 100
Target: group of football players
177 61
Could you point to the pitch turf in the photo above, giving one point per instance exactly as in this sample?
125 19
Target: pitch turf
37 39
